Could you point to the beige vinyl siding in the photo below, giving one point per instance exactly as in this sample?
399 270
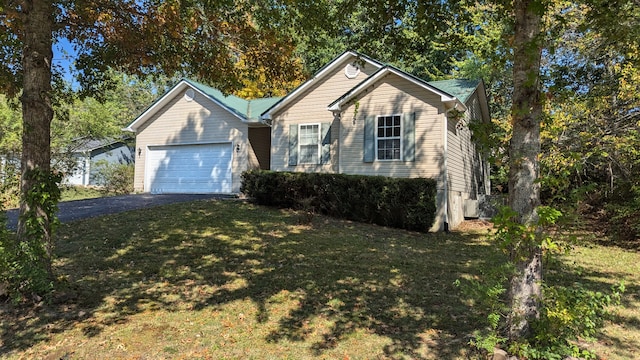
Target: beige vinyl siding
467 173
395 95
199 121
311 107
464 163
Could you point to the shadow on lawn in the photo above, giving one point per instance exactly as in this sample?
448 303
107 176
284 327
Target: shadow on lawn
392 283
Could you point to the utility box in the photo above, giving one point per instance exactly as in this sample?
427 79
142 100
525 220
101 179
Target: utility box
470 208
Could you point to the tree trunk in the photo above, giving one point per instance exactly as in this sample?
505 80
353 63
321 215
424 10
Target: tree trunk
524 191
37 113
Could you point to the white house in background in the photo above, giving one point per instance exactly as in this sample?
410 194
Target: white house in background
89 154
355 116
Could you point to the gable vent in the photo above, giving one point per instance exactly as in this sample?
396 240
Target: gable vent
351 71
189 94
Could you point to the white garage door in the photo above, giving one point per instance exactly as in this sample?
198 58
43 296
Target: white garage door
194 169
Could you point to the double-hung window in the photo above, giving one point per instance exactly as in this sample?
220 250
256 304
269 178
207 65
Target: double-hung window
309 143
389 137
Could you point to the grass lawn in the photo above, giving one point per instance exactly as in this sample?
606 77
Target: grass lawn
70 193
231 280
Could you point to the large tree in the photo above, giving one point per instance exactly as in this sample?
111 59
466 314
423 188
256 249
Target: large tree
524 189
555 69
417 36
203 39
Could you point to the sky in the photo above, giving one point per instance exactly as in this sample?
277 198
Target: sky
64 57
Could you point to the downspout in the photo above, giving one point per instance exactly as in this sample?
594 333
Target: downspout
457 105
337 115
445 176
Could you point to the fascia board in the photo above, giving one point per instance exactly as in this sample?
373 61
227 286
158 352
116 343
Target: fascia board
158 104
482 96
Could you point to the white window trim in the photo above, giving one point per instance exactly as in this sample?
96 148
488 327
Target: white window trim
401 139
318 147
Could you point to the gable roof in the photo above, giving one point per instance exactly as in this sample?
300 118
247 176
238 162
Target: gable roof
324 71
85 144
247 111
460 88
445 96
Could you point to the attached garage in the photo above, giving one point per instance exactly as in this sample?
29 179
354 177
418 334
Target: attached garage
201 168
195 139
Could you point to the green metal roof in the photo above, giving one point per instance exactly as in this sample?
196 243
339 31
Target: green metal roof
248 109
460 88
252 109
259 106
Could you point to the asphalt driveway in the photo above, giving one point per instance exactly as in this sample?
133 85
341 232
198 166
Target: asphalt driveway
81 209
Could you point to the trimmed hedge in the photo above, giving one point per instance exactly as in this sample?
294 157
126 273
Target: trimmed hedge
402 203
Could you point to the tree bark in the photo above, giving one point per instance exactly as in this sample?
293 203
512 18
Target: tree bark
524 149
37 112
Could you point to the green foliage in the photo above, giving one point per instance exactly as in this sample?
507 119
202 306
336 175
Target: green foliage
416 36
25 266
33 260
402 203
567 314
623 214
518 239
77 120
488 291
591 139
9 184
10 126
10 133
306 210
42 202
101 116
115 178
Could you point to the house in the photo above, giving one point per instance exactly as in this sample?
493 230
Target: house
195 139
359 116
88 155
355 116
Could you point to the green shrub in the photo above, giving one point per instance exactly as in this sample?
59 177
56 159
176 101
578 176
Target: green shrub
115 178
5 258
9 187
401 203
623 213
567 314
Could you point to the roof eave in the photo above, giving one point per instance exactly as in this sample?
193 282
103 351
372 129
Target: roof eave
335 107
484 101
142 118
456 104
